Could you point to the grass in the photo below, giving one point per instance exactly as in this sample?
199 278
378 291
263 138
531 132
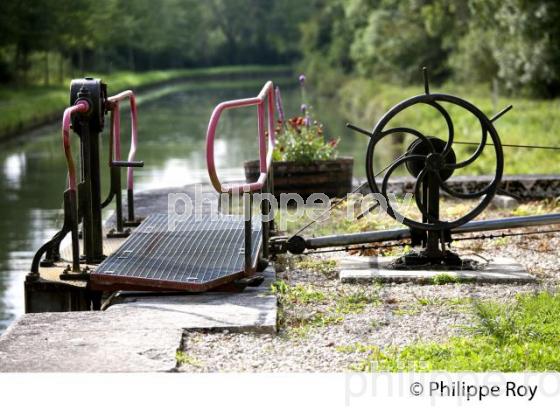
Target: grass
183 358
303 307
24 106
436 301
445 278
509 337
323 266
298 294
532 121
537 208
356 302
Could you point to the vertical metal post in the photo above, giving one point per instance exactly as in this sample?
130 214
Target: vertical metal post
130 200
265 213
116 186
270 182
432 208
88 126
92 224
70 207
248 217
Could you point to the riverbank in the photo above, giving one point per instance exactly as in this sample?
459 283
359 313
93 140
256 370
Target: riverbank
531 122
25 108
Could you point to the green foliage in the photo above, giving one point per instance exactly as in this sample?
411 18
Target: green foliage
524 43
299 324
105 35
183 358
459 355
506 337
510 42
530 318
32 104
533 120
537 208
445 278
356 302
300 139
298 294
303 143
324 266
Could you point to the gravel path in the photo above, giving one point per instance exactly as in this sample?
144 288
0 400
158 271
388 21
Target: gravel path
323 316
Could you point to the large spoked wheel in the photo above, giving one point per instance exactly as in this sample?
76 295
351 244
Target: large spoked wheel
431 156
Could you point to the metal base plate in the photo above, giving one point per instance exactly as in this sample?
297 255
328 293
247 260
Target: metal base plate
193 254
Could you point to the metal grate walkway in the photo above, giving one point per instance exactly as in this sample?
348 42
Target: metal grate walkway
201 252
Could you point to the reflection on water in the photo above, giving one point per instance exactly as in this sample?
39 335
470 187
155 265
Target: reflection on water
171 142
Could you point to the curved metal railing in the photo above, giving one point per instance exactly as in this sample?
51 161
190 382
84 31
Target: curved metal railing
265 98
116 127
80 106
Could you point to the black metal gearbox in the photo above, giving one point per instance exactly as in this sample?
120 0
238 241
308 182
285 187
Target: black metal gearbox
95 92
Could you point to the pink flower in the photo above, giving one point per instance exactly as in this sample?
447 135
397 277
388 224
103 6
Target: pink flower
302 79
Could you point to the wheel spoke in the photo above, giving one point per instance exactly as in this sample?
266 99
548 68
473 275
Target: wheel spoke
385 182
417 195
450 128
462 195
407 130
475 155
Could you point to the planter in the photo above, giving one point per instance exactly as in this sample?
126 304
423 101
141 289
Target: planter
331 177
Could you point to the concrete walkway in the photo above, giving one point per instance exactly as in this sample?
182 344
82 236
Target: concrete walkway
139 334
136 333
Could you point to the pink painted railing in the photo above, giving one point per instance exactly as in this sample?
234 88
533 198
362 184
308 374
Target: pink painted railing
80 106
266 145
116 125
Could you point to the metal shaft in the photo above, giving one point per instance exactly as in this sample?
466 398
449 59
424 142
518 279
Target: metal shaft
404 233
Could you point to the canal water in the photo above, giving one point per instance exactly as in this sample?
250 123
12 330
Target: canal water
172 127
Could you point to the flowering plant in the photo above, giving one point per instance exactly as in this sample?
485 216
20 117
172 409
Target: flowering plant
301 138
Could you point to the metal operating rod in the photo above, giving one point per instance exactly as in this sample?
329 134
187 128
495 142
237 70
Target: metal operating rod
358 129
404 233
426 80
499 115
512 145
337 203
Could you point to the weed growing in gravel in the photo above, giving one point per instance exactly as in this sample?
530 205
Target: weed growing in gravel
501 241
428 301
302 307
522 336
298 294
537 208
435 301
183 358
409 311
324 266
299 323
317 319
356 301
396 251
446 278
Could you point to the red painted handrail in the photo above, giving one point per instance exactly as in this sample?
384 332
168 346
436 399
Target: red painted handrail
265 97
116 125
80 106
